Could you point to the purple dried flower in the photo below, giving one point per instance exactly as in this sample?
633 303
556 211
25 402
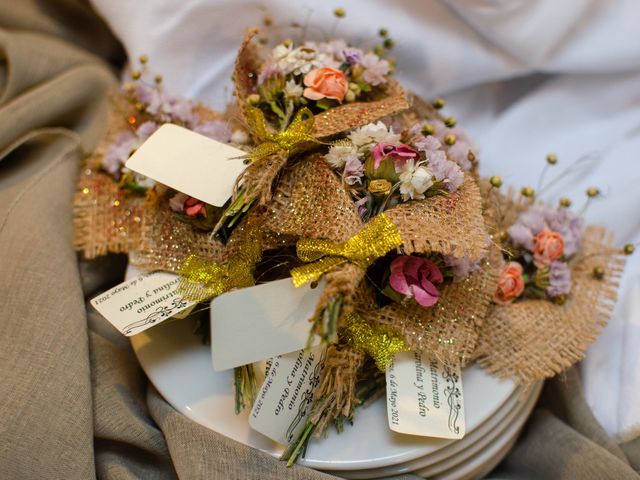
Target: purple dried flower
444 170
361 205
351 55
461 267
536 219
119 151
146 129
429 143
376 69
567 224
353 170
559 279
215 129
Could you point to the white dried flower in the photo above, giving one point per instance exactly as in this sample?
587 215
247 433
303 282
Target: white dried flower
374 133
338 155
292 89
415 179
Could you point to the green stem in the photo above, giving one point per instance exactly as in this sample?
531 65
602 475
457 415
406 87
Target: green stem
245 387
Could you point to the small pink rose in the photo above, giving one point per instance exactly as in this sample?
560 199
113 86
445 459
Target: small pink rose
325 82
416 277
510 284
547 247
193 207
399 153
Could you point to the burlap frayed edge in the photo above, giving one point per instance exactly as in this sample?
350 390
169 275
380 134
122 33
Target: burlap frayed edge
335 397
448 224
535 339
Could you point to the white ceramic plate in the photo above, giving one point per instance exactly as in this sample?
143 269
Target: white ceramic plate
449 455
480 464
180 368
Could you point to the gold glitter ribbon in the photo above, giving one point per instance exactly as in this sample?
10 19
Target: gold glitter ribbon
380 342
378 237
204 279
289 141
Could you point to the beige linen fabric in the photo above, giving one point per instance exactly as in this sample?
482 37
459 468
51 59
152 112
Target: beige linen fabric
74 404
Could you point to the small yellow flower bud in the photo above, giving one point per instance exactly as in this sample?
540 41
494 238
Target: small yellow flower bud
350 96
136 74
139 106
592 192
503 236
450 139
527 192
598 272
253 99
552 159
560 299
143 59
428 129
158 78
450 122
267 20
438 103
471 156
565 202
629 248
388 43
495 181
340 12
383 32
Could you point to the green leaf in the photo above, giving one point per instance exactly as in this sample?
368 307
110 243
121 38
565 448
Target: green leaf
277 110
325 103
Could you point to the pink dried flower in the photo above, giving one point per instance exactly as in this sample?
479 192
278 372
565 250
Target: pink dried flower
416 277
194 208
399 153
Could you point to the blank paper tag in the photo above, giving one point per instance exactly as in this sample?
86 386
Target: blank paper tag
267 320
424 397
142 302
190 163
286 397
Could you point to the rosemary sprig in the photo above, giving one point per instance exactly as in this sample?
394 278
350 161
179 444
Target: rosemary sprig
246 389
326 323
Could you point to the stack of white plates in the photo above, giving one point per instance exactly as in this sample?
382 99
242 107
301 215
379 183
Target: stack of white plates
179 365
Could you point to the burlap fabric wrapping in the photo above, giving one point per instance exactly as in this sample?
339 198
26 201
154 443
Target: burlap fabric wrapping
532 339
61 415
106 217
260 175
111 219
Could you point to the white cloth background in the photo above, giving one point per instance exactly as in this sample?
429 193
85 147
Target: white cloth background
523 77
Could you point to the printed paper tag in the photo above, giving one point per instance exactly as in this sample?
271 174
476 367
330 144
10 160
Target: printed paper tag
286 397
267 320
142 302
424 397
190 163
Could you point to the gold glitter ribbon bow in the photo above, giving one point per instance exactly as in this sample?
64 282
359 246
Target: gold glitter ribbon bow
204 279
378 237
289 141
380 342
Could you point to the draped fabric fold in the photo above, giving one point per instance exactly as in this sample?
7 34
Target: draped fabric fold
75 403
